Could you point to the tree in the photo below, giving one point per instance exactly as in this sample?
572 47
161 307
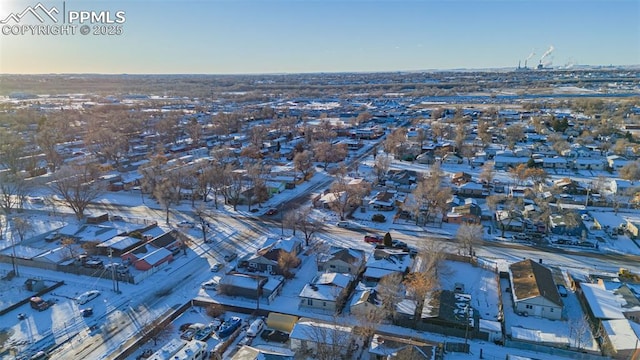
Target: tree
390 292
381 167
234 185
487 173
167 193
70 244
327 153
303 162
387 241
194 130
519 173
419 284
513 134
430 196
288 261
12 150
630 171
21 227
330 340
347 195
483 133
50 133
300 219
75 184
469 235
203 219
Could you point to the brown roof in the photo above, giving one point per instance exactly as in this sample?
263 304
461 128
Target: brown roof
531 279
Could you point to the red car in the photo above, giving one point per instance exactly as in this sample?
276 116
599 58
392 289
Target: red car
272 211
373 239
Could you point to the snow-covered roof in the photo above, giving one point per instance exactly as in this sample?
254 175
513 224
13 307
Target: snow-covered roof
156 256
120 242
622 333
537 336
336 279
603 304
320 332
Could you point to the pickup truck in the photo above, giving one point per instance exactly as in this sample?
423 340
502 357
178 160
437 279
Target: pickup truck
39 304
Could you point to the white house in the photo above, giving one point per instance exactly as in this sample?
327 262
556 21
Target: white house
534 291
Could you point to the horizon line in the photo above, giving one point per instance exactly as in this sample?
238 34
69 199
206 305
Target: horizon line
531 69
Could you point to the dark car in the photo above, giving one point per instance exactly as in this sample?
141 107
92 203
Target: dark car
229 326
271 211
400 245
86 312
275 335
93 263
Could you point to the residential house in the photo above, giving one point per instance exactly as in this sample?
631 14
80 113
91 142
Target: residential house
383 200
585 163
555 162
616 162
559 224
534 291
342 260
469 212
386 262
614 311
387 347
327 291
313 336
451 158
147 256
253 353
471 189
364 303
460 178
245 285
266 258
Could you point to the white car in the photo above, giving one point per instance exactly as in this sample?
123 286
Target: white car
87 296
346 225
186 224
210 285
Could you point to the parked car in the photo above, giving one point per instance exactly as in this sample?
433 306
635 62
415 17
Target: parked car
562 290
39 304
86 312
399 244
217 267
255 328
210 285
275 335
271 211
346 225
586 217
520 236
186 224
87 296
373 239
52 237
229 326
230 257
93 263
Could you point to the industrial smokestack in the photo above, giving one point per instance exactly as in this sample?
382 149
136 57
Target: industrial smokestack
547 53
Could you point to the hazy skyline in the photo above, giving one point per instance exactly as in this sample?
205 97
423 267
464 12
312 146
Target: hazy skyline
227 37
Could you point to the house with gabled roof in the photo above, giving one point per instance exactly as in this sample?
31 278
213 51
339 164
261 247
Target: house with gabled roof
266 258
342 260
327 291
534 291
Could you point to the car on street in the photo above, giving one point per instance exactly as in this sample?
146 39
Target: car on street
217 267
399 244
93 263
210 285
271 211
346 225
186 224
373 239
86 312
230 257
87 296
520 236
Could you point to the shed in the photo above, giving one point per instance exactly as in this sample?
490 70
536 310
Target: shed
282 322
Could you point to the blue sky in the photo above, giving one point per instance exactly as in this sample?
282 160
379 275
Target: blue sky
267 36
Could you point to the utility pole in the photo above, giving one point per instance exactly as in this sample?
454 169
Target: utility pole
113 272
466 330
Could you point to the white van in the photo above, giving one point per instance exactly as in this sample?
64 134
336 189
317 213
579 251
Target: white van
255 328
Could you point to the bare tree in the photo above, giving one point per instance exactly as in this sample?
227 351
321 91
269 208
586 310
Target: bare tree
75 184
630 171
579 332
327 153
513 134
419 284
331 340
381 167
301 219
12 150
390 292
347 195
488 173
194 130
21 227
303 162
469 235
167 193
288 261
430 196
